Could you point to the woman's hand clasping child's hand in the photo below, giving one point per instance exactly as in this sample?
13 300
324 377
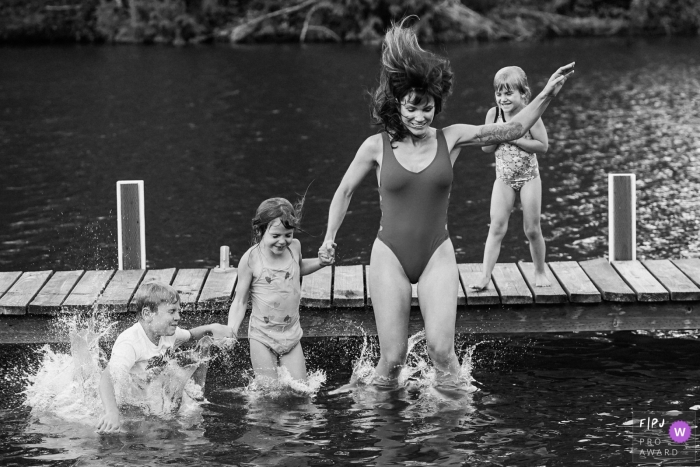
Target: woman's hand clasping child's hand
326 254
324 258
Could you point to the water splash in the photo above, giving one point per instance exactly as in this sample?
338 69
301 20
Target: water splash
284 386
66 385
417 376
670 333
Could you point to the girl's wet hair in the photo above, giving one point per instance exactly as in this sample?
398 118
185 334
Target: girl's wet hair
274 208
512 78
407 70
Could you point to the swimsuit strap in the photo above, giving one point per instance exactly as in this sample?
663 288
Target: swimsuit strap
387 148
262 259
503 117
294 260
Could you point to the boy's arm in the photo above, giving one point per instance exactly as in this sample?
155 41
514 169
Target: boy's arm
109 422
490 116
539 142
216 330
236 312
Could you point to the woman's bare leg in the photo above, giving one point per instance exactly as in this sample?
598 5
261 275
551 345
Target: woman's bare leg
502 199
531 199
390 290
437 295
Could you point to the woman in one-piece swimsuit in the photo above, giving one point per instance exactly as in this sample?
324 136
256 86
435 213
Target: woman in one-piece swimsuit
413 164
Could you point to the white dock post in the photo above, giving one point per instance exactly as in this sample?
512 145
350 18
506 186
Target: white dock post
224 256
131 225
224 260
622 217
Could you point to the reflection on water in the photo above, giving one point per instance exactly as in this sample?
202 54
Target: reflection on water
215 130
644 121
555 400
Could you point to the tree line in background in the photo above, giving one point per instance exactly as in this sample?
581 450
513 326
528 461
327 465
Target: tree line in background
195 21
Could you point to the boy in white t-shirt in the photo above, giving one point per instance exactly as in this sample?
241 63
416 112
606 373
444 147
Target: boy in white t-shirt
152 336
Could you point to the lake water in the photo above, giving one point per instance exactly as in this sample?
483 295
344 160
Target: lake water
542 400
215 130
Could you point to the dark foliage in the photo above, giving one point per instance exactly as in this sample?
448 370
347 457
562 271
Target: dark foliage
193 21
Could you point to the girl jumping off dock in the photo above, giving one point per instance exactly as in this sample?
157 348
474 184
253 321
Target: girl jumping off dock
516 172
270 271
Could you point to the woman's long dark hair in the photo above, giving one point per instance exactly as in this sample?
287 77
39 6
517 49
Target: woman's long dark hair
407 69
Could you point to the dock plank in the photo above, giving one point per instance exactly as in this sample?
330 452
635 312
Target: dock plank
153 275
22 292
606 316
610 285
120 290
575 282
188 283
470 273
218 290
679 286
641 281
511 285
50 298
316 289
349 286
690 267
7 280
414 295
86 292
552 294
461 296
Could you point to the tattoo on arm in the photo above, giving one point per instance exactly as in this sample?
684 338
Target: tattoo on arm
494 134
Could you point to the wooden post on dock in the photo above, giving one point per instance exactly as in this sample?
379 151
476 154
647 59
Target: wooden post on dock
131 225
622 217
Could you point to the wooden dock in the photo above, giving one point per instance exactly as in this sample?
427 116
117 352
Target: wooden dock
592 295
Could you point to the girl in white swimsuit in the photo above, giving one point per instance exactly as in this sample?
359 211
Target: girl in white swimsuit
270 272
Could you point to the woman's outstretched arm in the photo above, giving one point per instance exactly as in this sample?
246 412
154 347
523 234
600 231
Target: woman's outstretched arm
539 142
493 133
361 165
490 116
